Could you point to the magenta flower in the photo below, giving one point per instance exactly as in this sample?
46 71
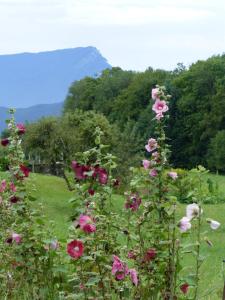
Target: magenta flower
14 199
153 173
91 192
133 276
119 269
155 94
75 249
150 254
12 187
184 288
146 164
102 175
3 186
80 170
173 175
86 224
21 129
24 170
131 255
133 202
160 106
5 142
152 145
15 237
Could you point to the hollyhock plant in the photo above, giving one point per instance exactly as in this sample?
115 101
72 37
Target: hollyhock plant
150 254
152 145
86 224
173 175
75 249
102 175
4 142
119 269
15 237
184 288
160 106
80 170
21 128
192 211
214 224
133 276
133 202
91 192
184 224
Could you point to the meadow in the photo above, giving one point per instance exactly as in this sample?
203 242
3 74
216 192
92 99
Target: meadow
53 198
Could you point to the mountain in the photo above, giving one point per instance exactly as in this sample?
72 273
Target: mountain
28 79
31 114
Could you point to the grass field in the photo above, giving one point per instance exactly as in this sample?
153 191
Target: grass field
54 197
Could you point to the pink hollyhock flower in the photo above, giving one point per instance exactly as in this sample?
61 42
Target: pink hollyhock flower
152 145
173 175
155 93
133 202
192 211
86 224
150 254
15 237
5 142
146 164
184 224
133 276
80 170
21 128
75 249
214 224
119 269
12 187
155 155
184 288
160 106
3 186
24 170
153 173
14 199
91 192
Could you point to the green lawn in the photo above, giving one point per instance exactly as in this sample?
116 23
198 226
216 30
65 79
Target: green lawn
54 197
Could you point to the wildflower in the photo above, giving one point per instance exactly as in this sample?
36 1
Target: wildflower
133 276
12 187
184 288
21 129
75 249
213 224
152 145
184 224
91 192
192 211
133 202
15 237
155 94
153 173
119 269
86 224
3 186
146 163
102 175
173 175
5 142
160 106
131 255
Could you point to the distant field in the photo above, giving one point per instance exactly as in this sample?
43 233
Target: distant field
53 195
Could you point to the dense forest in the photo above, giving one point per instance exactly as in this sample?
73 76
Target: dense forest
119 102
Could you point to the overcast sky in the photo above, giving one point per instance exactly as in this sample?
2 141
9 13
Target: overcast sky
132 34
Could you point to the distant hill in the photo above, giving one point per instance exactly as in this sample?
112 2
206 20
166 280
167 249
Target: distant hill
31 114
28 79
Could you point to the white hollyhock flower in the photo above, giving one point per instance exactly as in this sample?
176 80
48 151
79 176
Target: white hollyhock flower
192 211
214 224
184 224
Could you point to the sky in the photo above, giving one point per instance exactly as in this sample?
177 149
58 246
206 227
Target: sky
132 34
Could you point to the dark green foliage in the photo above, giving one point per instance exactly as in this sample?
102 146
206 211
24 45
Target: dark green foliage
216 152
